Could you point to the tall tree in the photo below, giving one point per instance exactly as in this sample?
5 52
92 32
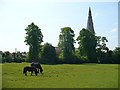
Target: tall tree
87 44
33 38
48 54
101 49
116 56
66 42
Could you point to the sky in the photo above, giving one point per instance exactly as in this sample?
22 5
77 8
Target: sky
50 16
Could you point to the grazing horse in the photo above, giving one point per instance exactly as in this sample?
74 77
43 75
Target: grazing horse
30 69
38 66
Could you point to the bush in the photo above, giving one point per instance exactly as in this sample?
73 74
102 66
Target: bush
48 54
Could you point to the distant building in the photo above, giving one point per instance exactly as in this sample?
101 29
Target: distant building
24 54
58 50
90 25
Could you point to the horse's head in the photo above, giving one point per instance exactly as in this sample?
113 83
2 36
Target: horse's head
41 70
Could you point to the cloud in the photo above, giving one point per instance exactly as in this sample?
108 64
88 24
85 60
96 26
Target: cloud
113 30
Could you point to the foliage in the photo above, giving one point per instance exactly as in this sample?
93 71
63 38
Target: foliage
13 57
6 57
87 45
109 57
101 43
48 54
33 38
102 50
66 43
92 49
116 55
19 57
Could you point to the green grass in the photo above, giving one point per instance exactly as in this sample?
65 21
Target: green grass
61 76
0 76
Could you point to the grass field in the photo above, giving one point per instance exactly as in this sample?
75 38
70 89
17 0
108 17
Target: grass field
0 76
61 76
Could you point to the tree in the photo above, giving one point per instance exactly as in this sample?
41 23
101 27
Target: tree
101 43
102 50
116 55
1 56
66 43
87 45
7 57
48 54
33 38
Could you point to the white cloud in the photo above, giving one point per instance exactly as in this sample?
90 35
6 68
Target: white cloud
113 30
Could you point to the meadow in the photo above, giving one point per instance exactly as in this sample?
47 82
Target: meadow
61 76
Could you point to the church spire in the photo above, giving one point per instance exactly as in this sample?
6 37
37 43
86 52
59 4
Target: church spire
90 26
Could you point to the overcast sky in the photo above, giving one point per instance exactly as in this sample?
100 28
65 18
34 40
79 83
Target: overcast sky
50 17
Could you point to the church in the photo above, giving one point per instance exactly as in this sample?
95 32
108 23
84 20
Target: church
90 25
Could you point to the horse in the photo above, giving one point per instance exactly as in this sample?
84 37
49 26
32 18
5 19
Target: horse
30 69
38 66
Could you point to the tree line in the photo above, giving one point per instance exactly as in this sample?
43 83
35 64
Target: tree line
91 49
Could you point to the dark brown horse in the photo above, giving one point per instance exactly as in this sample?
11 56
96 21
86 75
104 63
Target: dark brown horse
38 66
30 69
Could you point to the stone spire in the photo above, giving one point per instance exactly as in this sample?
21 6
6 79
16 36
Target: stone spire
90 26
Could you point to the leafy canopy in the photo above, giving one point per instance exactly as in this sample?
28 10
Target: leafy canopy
66 42
33 38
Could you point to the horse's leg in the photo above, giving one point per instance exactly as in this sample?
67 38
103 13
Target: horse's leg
31 73
25 73
36 73
38 70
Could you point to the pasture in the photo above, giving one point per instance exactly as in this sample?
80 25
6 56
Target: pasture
61 76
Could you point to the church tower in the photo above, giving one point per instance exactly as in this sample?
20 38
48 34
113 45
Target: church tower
90 26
